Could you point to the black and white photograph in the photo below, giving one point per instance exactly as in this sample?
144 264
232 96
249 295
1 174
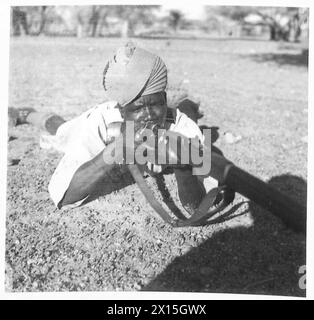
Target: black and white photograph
157 148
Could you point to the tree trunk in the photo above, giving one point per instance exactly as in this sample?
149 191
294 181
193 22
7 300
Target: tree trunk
94 20
19 19
15 22
42 21
273 32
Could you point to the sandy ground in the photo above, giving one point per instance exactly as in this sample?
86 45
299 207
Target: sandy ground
256 89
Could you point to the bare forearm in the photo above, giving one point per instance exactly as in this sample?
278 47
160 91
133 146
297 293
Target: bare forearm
87 178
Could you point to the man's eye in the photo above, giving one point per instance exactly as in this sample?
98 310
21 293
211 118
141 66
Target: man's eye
133 108
137 108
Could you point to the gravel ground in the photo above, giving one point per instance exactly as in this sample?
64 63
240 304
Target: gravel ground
255 89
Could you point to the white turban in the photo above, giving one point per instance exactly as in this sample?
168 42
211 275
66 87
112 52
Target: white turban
133 72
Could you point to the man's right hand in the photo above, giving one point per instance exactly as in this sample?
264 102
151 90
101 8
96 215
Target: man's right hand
114 130
173 155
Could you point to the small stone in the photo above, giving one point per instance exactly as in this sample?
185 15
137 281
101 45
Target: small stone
44 269
181 239
137 286
185 249
30 261
231 138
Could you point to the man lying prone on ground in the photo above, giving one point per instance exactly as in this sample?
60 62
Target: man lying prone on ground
135 81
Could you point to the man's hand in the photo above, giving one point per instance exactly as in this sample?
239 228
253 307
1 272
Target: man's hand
172 145
114 130
173 148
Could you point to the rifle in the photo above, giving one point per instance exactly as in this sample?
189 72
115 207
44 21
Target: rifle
289 211
229 175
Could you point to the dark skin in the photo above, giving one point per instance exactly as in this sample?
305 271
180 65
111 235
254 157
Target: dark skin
87 178
146 110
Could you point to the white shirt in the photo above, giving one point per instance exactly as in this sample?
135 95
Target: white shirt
84 137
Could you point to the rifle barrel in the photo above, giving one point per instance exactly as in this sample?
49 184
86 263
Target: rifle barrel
291 212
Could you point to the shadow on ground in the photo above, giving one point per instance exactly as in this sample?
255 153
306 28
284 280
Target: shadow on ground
300 59
263 258
116 179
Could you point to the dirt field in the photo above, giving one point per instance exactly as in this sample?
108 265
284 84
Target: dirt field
255 89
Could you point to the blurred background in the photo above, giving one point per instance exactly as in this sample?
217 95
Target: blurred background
277 23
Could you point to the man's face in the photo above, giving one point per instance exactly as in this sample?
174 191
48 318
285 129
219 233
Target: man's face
147 111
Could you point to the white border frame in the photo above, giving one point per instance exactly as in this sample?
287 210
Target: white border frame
5 38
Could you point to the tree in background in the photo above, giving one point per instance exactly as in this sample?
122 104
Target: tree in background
77 20
96 20
175 19
237 13
38 14
284 23
30 19
133 15
19 21
80 20
90 20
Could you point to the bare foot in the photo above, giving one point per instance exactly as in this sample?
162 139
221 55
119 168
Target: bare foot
18 116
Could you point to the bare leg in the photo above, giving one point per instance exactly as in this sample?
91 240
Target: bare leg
49 121
87 179
43 120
